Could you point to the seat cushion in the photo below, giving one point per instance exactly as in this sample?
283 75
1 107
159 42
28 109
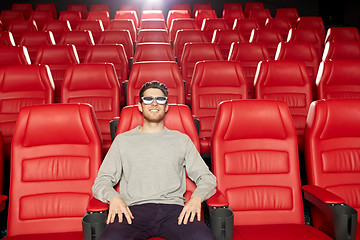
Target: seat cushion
279 232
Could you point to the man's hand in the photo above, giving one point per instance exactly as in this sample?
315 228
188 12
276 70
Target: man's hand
119 207
190 210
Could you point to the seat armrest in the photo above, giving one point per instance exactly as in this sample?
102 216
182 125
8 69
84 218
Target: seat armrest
341 217
113 126
96 205
94 221
2 202
217 200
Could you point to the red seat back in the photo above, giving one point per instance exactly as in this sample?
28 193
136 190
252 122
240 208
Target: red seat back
153 24
25 8
209 25
186 36
255 160
153 52
18 27
176 14
128 14
47 7
181 23
103 16
56 154
289 13
81 39
153 35
281 24
14 55
260 14
152 14
6 39
34 40
224 38
252 5
74 17
231 14
95 26
118 37
342 34
202 14
270 37
201 6
341 50
310 35
123 24
245 26
314 22
57 27
82 8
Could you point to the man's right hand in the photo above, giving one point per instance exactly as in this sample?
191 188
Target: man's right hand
119 207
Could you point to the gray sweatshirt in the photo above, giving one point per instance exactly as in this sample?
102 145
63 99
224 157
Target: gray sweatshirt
151 169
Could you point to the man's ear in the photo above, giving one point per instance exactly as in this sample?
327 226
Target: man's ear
140 107
166 107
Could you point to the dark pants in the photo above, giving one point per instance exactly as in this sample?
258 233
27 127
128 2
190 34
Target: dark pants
156 220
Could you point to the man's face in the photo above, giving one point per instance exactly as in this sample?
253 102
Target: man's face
153 112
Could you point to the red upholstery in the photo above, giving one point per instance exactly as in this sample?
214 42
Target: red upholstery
315 22
186 36
176 14
270 37
286 81
153 24
97 85
152 14
33 40
25 8
21 85
331 138
341 50
252 5
95 26
47 7
127 14
182 6
289 13
301 51
209 25
7 16
310 35
56 154
99 7
260 14
232 6
18 27
224 38
104 16
6 39
2 204
213 82
74 17
153 35
58 58
124 24
82 8
282 24
255 160
181 23
57 27
165 72
245 26
14 55
231 14
129 6
249 55
153 52
81 39
200 15
194 52
40 17
201 6
338 79
118 37
342 34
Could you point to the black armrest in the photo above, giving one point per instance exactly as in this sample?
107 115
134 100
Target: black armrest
113 126
342 217
94 221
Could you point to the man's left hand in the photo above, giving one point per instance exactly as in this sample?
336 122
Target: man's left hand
191 209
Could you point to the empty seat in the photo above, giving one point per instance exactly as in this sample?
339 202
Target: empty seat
58 58
152 14
152 24
34 40
111 53
47 7
128 14
332 147
312 22
81 39
209 25
192 53
301 51
118 37
21 86
56 137
99 7
289 13
179 24
14 55
261 15
212 83
8 15
25 8
176 14
153 52
249 55
40 17
342 34
187 36
166 72
153 35
95 26
270 37
245 26
286 81
310 35
182 6
97 85
82 8
200 15
252 5
57 27
341 50
133 7
338 79
18 27
201 6
124 24
104 16
224 38
282 24
6 39
231 14
255 160
236 6
74 17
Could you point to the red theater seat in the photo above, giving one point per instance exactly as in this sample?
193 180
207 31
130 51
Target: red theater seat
181 24
18 27
231 14
182 6
82 8
47 139
153 24
14 55
95 26
47 7
25 8
212 83
310 35
255 160
286 81
74 17
249 55
281 24
341 50
8 15
152 14
187 36
118 37
270 37
6 39
123 24
132 7
21 86
314 22
57 27
34 40
97 85
200 15
40 17
261 15
224 38
166 72
342 34
289 13
104 16
153 52
332 146
209 25
201 6
99 7
338 79
128 14
176 14
153 35
252 5
245 26
58 58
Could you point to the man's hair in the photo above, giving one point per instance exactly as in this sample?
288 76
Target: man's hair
153 84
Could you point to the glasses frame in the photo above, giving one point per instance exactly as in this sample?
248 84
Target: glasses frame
158 101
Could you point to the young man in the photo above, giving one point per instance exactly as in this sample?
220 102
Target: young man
150 162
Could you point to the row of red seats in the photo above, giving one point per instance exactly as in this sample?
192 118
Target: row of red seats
254 158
